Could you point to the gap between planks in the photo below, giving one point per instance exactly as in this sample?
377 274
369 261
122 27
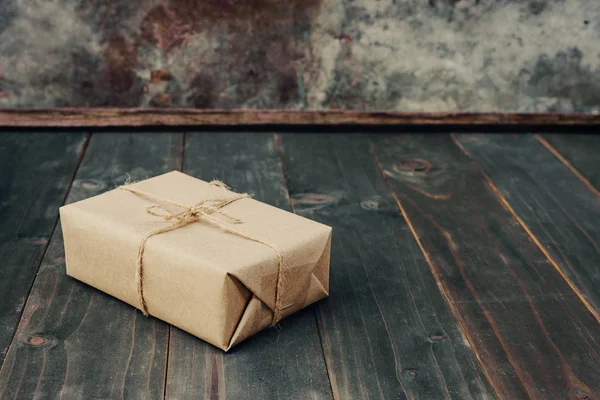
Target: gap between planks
279 149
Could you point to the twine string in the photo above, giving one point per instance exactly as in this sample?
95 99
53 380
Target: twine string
203 210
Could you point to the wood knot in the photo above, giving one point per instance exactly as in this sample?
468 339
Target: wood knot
37 241
413 166
436 338
314 201
38 341
89 184
411 372
369 204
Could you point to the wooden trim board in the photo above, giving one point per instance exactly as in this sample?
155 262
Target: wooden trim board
107 117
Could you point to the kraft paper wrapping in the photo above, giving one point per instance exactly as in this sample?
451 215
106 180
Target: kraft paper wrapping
213 284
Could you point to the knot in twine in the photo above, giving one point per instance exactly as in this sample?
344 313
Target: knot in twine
202 210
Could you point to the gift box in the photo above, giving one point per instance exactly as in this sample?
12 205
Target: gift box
215 263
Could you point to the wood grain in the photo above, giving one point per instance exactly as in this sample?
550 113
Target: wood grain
284 363
531 332
386 328
559 211
35 174
580 153
73 341
98 117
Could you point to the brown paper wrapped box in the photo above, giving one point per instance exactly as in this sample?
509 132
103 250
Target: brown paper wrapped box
208 281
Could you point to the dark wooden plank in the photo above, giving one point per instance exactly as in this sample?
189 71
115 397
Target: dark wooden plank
580 153
530 330
73 341
275 364
555 207
387 330
107 116
35 174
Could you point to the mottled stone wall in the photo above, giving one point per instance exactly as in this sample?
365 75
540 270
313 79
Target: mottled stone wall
406 55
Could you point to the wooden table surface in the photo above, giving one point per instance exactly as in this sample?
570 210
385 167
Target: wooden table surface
463 266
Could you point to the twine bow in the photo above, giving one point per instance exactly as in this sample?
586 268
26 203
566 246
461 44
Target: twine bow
202 210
